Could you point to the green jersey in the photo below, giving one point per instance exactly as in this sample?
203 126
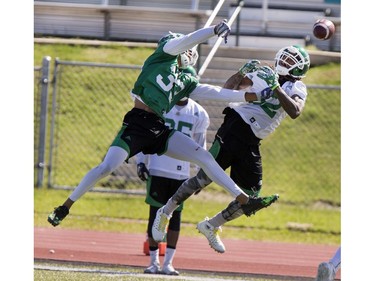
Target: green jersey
161 83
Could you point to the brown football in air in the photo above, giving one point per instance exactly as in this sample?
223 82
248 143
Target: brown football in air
323 29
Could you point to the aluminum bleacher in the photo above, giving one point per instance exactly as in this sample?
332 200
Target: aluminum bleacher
141 20
258 33
127 23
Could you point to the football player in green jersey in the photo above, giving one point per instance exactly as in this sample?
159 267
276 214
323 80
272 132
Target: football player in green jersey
159 86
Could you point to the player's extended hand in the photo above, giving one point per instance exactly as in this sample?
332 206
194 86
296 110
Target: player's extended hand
142 171
222 29
250 66
267 74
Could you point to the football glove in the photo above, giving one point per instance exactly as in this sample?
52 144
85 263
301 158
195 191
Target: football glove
222 29
142 171
264 94
269 76
250 66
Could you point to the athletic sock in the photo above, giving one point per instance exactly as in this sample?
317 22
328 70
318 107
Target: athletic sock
154 257
169 254
217 220
170 207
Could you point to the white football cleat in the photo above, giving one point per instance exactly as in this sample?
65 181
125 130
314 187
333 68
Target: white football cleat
169 270
211 234
153 269
160 225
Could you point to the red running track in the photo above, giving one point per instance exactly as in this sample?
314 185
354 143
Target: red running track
241 256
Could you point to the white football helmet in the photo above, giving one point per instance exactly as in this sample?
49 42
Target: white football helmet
292 61
189 58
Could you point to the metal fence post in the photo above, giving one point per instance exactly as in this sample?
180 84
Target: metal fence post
43 119
54 104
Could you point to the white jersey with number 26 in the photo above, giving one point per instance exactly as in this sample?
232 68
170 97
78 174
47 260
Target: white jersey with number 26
266 115
193 121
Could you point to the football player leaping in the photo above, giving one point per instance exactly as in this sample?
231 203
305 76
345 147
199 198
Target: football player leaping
159 86
238 139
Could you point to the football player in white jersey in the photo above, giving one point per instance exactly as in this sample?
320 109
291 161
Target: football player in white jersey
164 175
245 124
159 86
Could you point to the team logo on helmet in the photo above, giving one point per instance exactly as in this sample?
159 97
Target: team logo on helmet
169 36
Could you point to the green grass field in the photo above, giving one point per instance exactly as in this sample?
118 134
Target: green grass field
53 271
112 212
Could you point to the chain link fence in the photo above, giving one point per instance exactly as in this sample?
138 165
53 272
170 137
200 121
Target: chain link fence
87 104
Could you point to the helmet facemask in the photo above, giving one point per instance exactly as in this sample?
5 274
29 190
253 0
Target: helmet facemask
189 58
292 61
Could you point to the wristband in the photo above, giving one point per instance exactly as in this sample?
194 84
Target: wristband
275 86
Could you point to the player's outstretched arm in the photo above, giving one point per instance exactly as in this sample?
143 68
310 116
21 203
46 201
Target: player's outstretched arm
234 82
182 43
211 92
